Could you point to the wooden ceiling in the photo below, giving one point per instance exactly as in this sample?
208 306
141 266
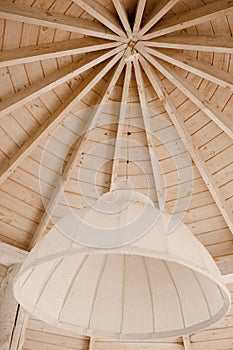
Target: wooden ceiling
94 92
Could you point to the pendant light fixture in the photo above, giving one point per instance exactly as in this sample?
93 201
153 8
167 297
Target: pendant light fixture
153 286
117 270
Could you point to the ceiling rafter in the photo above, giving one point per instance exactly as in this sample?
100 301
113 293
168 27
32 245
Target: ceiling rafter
102 14
121 11
196 66
191 18
76 154
121 121
53 121
54 79
46 51
217 116
138 16
149 135
41 17
156 13
206 43
186 138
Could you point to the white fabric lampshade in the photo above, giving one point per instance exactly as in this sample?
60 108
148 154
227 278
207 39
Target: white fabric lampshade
161 285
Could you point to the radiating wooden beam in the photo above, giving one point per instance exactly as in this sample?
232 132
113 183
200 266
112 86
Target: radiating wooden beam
102 14
159 10
10 255
186 138
46 51
195 66
120 128
121 10
54 79
206 43
76 155
149 135
191 18
218 117
138 16
45 18
53 121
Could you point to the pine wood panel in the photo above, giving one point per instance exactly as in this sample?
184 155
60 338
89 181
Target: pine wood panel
42 336
219 336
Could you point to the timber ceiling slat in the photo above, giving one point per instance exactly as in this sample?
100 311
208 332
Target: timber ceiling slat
190 18
157 12
205 43
32 15
187 140
52 80
55 119
196 66
52 50
191 92
121 10
138 16
102 14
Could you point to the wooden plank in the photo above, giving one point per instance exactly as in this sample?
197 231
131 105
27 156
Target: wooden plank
221 344
10 255
45 18
66 340
102 14
191 18
159 10
206 43
146 345
138 16
213 334
123 108
54 120
121 10
218 117
196 66
40 326
188 142
147 125
53 80
46 51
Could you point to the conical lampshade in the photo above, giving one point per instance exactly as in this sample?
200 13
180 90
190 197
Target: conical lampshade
159 285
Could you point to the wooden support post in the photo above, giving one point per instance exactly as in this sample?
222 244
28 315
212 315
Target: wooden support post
92 344
187 343
13 318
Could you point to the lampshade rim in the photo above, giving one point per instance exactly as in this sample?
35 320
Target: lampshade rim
129 251
123 336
